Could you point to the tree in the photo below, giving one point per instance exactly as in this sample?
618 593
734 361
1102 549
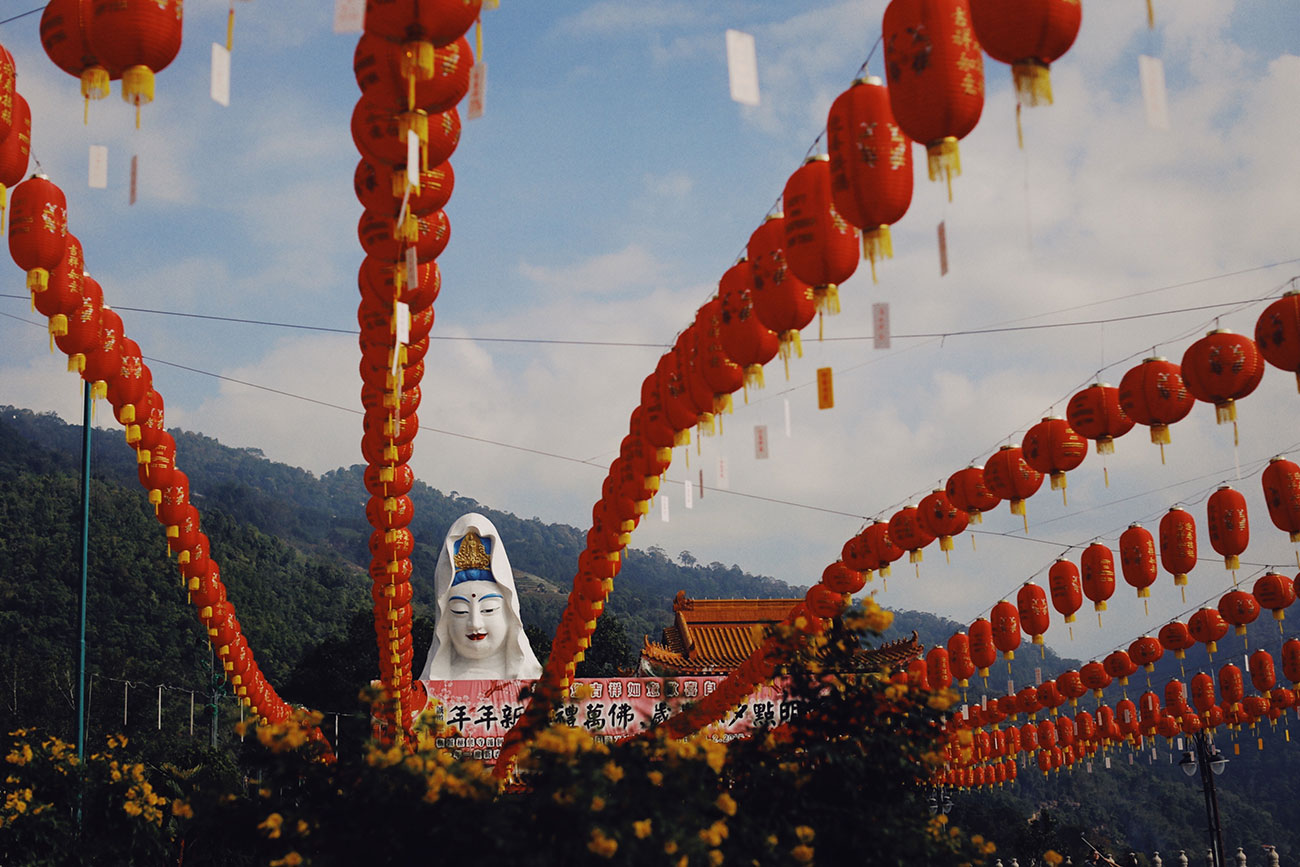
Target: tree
610 653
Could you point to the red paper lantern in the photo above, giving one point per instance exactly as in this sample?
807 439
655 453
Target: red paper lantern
870 165
1031 604
936 77
104 357
722 375
1281 482
65 36
1052 447
967 490
1067 590
1071 685
1276 593
128 385
1006 628
906 531
1175 696
937 670
38 229
783 302
1277 333
1231 685
940 517
1049 696
1291 659
882 546
1097 571
747 341
1146 652
1009 477
1095 677
1153 394
825 602
1126 717
380 134
1175 637
15 149
1137 558
1029 35
1120 666
62 294
1095 414
1239 608
983 652
385 239
962 666
821 247
1263 674
1207 626
380 188
842 579
139 37
1178 544
406 76
1221 368
439 22
1228 524
857 555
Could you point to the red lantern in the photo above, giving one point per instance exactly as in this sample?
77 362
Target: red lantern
1263 675
842 579
1153 394
62 294
1067 592
385 239
1049 696
381 188
1178 544
1231 685
1008 476
825 602
1052 447
1071 685
139 37
1146 652
104 358
65 36
937 669
1175 696
968 492
1276 593
1097 569
380 134
1120 666
1126 717
1029 35
1291 659
940 517
983 652
402 76
1239 608
962 666
906 531
1137 558
1174 636
1095 677
128 385
1222 368
882 546
1031 604
1006 628
871 165
1277 333
857 556
821 247
783 302
746 340
1281 481
1228 524
936 77
15 149
722 375
38 229
439 22
1207 626
1095 413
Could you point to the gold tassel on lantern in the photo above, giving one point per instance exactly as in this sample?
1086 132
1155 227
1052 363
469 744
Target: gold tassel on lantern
877 244
137 88
790 342
417 65
1033 82
944 159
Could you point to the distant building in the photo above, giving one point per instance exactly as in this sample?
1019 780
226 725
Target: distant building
714 636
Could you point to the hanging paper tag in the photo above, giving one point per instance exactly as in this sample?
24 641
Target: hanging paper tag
943 248
403 323
1108 763
1011 686
787 417
477 98
413 154
701 483
742 67
663 508
1180 744
723 482
760 442
965 712
349 16
1152 73
220 74
688 496
880 326
412 268
1090 767
98 167
825 388
1038 677
135 162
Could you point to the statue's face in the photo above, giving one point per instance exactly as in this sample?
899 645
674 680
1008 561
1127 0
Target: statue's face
476 619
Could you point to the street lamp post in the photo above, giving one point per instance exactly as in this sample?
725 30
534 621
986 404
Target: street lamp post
1210 762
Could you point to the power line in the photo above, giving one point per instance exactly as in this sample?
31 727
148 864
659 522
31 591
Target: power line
22 15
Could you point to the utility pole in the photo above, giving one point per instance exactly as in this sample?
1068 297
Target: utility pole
85 560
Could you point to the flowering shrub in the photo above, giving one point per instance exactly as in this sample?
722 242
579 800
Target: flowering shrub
841 781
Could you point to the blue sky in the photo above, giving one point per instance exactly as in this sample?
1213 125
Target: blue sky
608 187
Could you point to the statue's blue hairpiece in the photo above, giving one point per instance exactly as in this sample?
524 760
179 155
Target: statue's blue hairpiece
474 561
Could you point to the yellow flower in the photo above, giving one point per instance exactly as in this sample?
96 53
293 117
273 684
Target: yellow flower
715 833
132 808
1052 857
272 825
715 754
642 829
772 840
597 804
613 772
182 809
602 845
670 847
801 853
977 839
293 859
715 857
302 828
941 700
726 804
805 834
656 778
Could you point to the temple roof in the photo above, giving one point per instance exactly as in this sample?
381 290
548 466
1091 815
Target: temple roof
714 636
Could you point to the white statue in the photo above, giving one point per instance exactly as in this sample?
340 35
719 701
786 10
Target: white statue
478 633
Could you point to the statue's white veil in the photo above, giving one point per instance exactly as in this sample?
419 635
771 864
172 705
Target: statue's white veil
520 664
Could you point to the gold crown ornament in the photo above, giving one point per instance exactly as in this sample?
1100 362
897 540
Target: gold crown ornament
471 554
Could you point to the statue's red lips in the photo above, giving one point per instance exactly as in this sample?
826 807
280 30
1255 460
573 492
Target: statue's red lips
476 636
